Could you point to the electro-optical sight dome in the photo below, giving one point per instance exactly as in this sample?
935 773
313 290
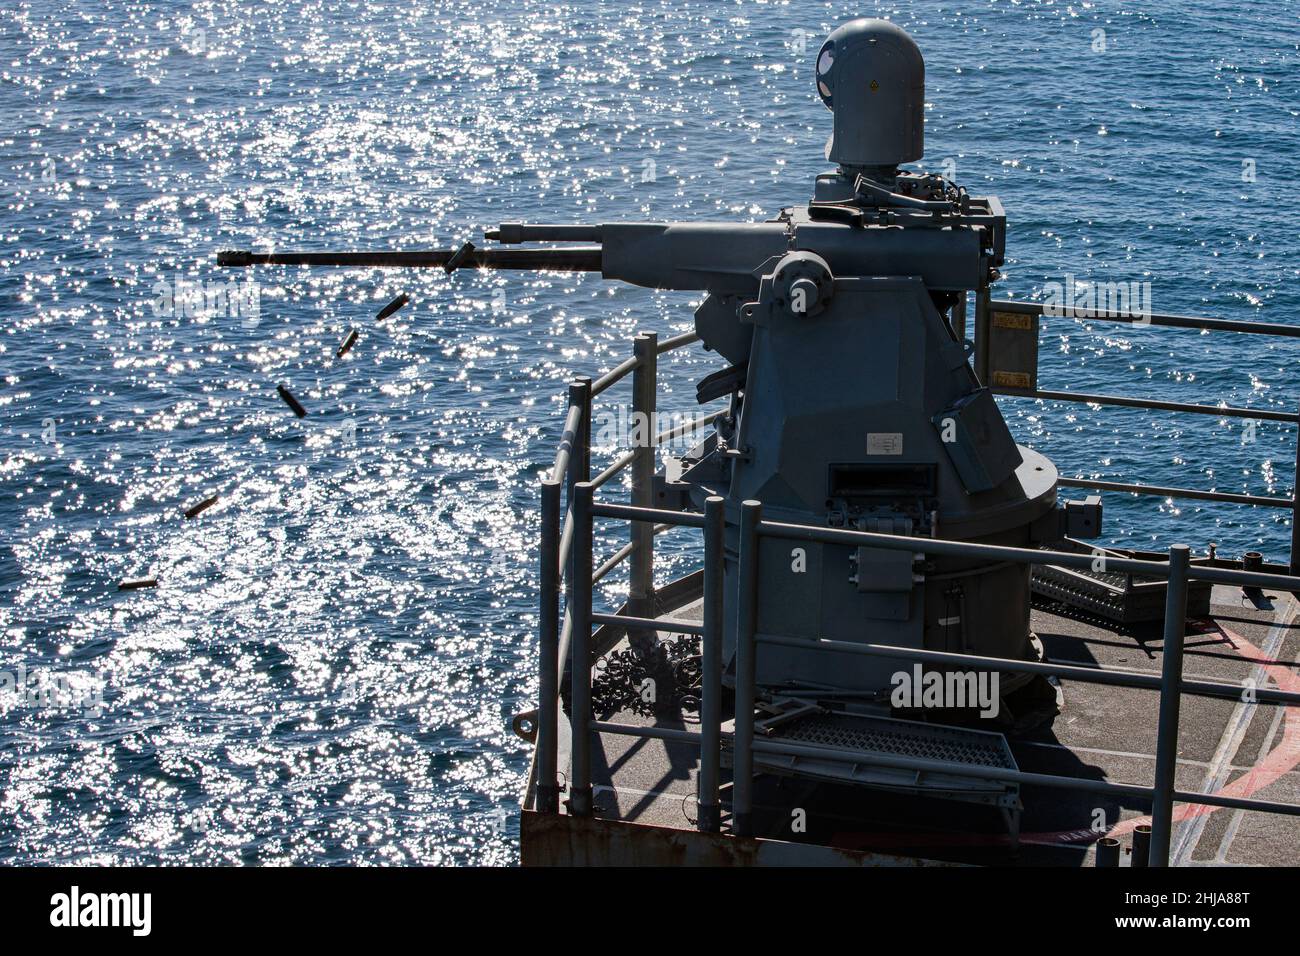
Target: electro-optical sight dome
871 75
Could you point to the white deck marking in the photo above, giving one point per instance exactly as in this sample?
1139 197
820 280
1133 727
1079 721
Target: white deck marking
1105 753
1238 815
642 793
1188 833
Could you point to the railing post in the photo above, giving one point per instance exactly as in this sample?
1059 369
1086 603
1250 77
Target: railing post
580 456
579 470
548 650
640 597
982 337
1107 852
1141 845
1294 564
584 441
742 788
1171 680
580 649
710 812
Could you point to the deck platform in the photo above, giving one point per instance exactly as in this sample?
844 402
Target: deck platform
1104 733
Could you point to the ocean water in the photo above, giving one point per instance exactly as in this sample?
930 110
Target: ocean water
326 671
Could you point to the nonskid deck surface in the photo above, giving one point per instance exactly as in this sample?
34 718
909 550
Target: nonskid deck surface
1103 733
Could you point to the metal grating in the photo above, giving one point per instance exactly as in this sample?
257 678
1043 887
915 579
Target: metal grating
1116 597
1125 598
899 738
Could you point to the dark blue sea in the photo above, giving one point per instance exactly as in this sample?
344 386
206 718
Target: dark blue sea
326 671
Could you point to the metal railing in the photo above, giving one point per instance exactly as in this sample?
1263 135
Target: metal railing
571 467
566 555
985 307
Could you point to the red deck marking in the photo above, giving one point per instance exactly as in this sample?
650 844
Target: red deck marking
1279 761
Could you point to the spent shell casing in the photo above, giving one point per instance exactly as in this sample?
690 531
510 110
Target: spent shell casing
291 401
392 307
348 342
459 258
195 510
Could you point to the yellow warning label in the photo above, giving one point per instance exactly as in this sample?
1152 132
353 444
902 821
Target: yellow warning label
1012 320
1012 380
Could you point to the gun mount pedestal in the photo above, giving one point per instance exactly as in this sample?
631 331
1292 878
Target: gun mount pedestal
854 406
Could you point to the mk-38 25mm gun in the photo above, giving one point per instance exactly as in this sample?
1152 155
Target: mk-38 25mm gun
868 524
852 400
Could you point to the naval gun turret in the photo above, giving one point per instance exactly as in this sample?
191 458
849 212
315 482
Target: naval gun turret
851 397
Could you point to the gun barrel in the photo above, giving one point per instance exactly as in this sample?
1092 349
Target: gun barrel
577 259
511 233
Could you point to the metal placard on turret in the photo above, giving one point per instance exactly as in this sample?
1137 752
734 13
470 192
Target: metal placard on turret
1013 351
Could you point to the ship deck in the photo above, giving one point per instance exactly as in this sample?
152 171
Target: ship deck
1101 732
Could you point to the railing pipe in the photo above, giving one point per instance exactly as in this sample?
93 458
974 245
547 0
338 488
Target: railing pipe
742 789
619 556
572 422
982 303
1229 497
981 771
681 519
577 468
709 804
566 539
1090 675
621 370
613 376
1294 562
1171 672
579 455
548 651
584 444
1141 846
615 559
1107 852
892 542
619 463
1169 321
640 598
580 647
650 623
695 424
1123 401
677 341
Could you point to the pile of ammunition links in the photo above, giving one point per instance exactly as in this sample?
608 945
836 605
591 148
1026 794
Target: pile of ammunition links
135 584
665 681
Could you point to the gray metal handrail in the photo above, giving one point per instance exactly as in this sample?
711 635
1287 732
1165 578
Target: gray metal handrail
1168 321
566 558
958 549
1177 571
571 466
986 306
